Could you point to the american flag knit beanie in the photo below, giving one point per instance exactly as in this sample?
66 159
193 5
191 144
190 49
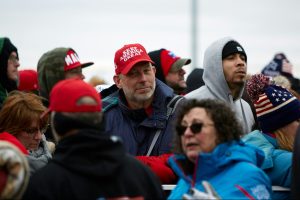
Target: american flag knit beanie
275 106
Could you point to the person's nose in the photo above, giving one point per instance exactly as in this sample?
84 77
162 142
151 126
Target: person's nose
240 61
188 132
38 135
142 77
82 77
17 64
182 72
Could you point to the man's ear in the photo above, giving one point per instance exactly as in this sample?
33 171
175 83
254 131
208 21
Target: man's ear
154 69
117 81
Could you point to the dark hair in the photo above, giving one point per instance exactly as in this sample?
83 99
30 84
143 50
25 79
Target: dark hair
295 193
226 124
64 122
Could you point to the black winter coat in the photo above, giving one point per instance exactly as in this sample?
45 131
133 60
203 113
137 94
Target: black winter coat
93 165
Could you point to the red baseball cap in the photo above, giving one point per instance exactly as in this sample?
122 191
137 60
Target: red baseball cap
28 80
72 61
66 95
128 56
169 61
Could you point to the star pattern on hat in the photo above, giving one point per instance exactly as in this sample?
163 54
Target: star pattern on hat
280 96
272 99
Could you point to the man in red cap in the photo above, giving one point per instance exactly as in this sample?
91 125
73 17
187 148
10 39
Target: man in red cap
169 69
56 65
141 110
88 163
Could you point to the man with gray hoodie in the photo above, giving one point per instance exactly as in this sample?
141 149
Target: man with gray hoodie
225 70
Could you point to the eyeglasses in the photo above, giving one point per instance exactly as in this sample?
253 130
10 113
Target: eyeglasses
195 128
33 131
13 59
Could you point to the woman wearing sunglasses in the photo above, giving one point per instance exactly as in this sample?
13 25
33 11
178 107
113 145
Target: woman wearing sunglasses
210 159
20 117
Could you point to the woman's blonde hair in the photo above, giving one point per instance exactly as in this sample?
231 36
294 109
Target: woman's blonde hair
19 110
284 140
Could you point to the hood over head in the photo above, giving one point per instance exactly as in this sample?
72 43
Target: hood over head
6 48
53 65
213 75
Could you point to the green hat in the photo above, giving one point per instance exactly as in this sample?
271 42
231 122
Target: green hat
52 66
1 44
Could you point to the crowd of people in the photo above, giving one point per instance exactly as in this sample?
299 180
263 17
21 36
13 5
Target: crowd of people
219 133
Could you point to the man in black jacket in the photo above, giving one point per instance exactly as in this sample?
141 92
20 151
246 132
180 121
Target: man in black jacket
88 163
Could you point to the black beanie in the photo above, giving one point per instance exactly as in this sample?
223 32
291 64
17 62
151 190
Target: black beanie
5 52
233 47
156 58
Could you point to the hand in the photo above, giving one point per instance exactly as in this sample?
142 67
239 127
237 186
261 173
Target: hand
209 193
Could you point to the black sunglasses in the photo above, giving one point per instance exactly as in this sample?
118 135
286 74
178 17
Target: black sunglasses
195 128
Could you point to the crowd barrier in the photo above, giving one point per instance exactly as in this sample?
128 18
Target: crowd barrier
275 188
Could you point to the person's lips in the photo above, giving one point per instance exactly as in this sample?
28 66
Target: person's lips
143 89
191 145
241 72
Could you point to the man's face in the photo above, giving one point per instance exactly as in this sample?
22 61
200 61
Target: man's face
138 84
235 69
176 80
74 73
12 66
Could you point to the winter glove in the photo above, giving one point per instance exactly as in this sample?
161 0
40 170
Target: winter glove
209 193
160 167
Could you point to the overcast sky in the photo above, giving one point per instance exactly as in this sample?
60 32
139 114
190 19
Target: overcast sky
97 28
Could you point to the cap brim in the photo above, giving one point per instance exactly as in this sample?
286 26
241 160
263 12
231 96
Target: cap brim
129 66
79 65
178 64
86 64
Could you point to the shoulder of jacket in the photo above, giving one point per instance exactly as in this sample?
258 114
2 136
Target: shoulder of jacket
198 93
109 102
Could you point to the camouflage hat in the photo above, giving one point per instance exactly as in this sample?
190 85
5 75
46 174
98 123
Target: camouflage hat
52 66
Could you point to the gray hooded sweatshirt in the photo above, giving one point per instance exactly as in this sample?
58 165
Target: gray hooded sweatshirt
216 86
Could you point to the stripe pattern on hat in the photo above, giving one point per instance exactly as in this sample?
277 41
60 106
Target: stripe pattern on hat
272 100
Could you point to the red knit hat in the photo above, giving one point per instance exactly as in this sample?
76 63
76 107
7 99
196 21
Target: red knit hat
128 56
169 61
28 80
65 96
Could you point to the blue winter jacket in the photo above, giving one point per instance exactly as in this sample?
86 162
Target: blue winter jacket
231 169
277 163
134 126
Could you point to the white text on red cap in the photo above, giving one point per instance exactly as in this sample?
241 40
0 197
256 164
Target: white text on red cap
71 59
130 52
